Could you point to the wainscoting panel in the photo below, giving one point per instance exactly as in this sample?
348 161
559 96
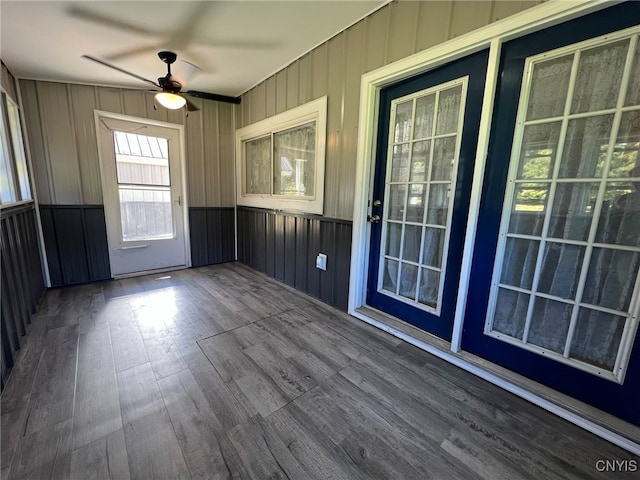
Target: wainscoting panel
285 246
22 280
212 233
75 239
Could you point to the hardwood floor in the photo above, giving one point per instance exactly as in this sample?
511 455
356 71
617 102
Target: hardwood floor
219 372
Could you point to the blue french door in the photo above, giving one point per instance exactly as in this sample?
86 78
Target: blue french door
427 137
555 284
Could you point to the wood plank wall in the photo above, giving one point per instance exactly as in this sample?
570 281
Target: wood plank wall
22 279
63 143
76 243
334 69
62 138
285 246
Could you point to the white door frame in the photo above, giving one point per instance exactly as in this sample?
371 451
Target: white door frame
492 36
100 114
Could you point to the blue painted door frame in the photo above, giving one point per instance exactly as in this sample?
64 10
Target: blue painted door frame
623 400
475 66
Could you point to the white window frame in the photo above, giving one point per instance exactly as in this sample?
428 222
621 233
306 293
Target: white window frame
626 342
314 111
9 138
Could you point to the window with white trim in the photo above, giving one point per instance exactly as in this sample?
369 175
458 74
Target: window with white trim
14 175
566 278
280 160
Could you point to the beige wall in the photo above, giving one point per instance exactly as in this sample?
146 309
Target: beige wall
335 67
62 138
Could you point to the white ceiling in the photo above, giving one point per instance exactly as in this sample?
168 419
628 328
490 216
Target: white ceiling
236 44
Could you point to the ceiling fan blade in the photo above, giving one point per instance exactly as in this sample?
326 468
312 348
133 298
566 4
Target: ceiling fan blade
102 62
80 12
131 52
185 71
213 96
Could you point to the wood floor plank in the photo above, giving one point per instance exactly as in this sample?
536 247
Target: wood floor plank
51 400
44 454
97 407
258 455
152 446
104 459
199 432
126 341
139 393
222 402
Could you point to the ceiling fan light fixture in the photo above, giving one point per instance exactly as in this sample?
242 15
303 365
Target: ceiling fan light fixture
170 100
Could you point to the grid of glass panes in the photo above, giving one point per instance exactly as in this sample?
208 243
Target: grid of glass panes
282 163
144 186
14 175
422 161
565 283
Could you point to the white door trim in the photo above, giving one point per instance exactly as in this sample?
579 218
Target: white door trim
492 36
100 114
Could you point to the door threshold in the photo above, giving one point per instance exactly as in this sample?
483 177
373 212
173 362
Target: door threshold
602 424
149 272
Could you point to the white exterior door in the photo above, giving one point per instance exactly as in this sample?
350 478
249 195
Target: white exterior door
142 181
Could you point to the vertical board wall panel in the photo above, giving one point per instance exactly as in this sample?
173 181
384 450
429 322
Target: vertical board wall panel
291 243
281 91
83 103
259 108
211 154
135 103
198 234
335 115
304 76
110 100
438 16
353 72
58 132
467 16
95 231
377 33
33 126
270 92
226 182
293 84
71 246
22 280
196 178
402 30
320 71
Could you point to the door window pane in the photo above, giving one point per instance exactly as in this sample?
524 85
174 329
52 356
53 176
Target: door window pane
7 186
421 176
145 213
294 162
585 147
599 77
573 207
528 211
511 313
538 151
594 330
549 85
144 186
584 211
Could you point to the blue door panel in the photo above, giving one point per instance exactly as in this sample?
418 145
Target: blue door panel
475 66
623 400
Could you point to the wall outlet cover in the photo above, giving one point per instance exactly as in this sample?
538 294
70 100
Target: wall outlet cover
321 261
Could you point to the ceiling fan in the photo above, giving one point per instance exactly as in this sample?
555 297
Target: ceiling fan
170 95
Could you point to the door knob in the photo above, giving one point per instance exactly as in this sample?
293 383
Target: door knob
373 219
